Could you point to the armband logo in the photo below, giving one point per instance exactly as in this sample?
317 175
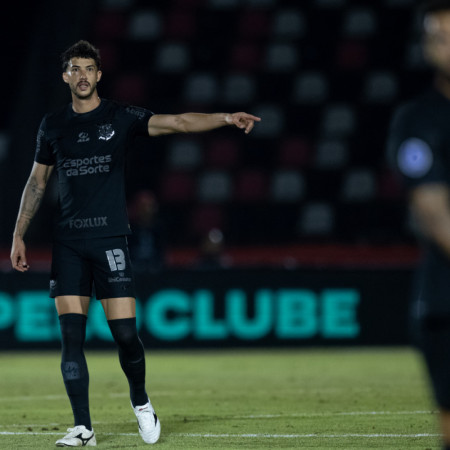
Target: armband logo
136 111
414 158
39 138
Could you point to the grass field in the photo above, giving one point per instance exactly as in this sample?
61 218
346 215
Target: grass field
330 398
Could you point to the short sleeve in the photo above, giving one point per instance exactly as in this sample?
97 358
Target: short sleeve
140 118
414 149
44 154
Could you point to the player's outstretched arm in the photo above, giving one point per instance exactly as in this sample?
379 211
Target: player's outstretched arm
31 200
196 122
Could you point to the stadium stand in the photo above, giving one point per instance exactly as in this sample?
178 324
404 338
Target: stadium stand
315 71
318 73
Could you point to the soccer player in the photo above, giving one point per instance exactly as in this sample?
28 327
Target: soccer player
86 142
419 143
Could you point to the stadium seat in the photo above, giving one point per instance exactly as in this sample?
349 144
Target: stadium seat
201 88
239 89
287 186
274 121
338 120
172 57
184 153
359 185
214 186
332 154
289 23
145 25
311 88
380 87
359 23
317 218
282 57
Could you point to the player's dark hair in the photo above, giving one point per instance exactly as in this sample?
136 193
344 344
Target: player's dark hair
82 49
432 6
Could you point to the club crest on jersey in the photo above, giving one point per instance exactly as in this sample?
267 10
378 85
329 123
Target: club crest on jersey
415 158
83 137
105 132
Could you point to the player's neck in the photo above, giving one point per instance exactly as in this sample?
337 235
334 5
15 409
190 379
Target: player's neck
442 84
85 105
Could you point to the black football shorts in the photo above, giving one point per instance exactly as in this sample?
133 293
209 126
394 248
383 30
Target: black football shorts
80 265
434 341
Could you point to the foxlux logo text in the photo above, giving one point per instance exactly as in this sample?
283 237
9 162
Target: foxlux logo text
90 222
87 166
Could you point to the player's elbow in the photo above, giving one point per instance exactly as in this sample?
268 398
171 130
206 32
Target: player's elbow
180 124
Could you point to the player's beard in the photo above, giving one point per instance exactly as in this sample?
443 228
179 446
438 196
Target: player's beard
84 95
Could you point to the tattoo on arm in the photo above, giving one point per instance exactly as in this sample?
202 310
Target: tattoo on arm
31 200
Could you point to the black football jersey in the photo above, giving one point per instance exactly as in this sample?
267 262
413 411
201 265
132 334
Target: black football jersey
419 140
89 151
419 148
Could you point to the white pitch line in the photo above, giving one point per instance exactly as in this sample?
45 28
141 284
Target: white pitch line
329 414
299 436
266 436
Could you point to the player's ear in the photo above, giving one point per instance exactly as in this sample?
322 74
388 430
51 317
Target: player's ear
65 77
99 75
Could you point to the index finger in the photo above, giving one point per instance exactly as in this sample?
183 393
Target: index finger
255 118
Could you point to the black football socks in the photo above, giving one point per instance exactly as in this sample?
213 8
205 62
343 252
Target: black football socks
131 357
73 366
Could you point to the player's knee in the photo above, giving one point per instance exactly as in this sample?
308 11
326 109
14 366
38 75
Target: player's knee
124 333
73 329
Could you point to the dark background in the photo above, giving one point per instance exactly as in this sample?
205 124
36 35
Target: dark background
324 76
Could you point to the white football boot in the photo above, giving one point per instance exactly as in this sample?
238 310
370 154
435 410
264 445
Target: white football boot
149 425
78 436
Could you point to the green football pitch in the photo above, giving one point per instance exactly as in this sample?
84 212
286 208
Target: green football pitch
329 398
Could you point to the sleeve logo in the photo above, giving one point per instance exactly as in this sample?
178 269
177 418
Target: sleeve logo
414 158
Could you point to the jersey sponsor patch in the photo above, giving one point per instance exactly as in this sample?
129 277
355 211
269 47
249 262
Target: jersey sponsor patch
414 158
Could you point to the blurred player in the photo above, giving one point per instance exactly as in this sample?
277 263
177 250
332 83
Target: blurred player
85 142
420 143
